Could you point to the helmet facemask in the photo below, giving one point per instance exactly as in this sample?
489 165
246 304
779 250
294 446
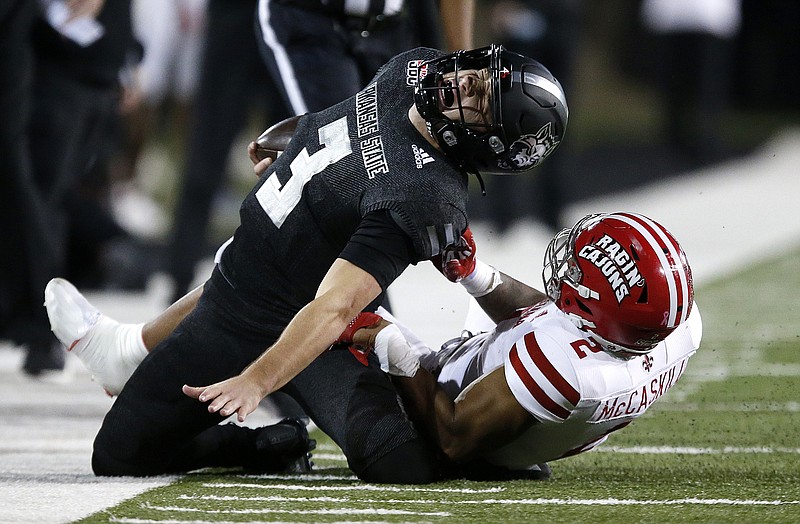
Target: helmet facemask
560 266
439 90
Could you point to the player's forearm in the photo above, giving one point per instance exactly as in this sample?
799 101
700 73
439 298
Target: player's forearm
308 335
508 297
430 407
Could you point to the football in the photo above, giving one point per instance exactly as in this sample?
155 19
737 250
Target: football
274 140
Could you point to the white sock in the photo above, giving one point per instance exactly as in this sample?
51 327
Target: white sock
111 351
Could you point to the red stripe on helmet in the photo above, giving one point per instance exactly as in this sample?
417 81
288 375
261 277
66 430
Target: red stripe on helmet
669 254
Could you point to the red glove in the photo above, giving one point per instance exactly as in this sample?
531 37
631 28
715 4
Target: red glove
458 259
363 320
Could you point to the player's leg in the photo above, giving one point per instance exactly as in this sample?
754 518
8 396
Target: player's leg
153 428
358 407
110 350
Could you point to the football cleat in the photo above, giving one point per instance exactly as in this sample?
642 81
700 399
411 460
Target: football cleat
110 351
284 447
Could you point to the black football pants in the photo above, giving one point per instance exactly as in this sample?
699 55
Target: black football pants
153 428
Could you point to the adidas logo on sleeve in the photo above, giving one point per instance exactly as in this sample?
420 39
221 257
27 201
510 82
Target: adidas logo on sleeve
421 157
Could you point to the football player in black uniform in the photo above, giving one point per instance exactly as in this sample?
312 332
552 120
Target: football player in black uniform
362 190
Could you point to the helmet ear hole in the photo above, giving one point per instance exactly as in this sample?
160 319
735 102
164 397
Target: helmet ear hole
586 309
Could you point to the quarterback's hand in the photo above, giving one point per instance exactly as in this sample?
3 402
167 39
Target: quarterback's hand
239 395
458 259
259 165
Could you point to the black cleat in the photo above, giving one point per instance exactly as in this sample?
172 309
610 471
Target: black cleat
284 448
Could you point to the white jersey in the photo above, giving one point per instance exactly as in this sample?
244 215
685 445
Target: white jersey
577 392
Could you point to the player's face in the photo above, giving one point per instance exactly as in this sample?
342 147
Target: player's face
474 89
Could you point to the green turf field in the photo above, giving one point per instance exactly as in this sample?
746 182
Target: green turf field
722 446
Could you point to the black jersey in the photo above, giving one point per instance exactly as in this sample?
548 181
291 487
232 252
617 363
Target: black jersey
360 156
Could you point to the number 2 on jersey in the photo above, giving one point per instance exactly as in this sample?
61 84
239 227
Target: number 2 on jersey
279 201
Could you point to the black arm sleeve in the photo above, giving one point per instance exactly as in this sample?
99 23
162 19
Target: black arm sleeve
380 248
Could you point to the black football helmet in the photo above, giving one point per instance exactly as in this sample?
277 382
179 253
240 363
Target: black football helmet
529 111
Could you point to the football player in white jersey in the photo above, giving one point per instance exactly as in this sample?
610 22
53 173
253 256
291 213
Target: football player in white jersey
559 373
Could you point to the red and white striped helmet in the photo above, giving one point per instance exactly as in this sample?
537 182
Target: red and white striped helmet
622 277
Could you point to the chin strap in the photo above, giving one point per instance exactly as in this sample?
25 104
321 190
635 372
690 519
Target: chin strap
585 292
580 322
480 181
439 134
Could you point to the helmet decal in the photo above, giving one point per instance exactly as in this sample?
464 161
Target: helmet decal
528 150
415 70
616 265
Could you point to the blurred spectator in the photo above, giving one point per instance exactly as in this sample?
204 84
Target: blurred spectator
28 259
76 94
768 56
158 100
550 32
233 81
339 46
694 61
58 98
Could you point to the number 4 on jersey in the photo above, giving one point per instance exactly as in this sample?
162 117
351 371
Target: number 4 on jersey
279 201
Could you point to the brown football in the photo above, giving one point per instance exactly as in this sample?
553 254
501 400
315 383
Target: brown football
274 140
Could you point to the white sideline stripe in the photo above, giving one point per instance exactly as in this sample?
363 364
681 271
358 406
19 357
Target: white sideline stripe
129 520
693 500
271 498
359 487
791 406
633 502
339 457
339 511
295 478
681 450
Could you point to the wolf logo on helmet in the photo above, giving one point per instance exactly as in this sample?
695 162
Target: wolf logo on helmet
528 150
